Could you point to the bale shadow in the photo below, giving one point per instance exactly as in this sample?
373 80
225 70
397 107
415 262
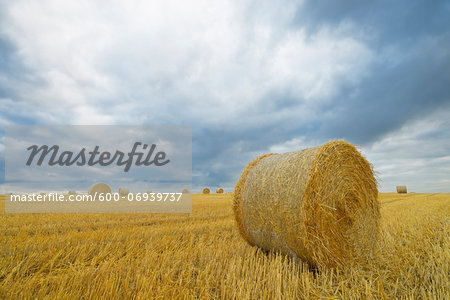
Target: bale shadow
301 264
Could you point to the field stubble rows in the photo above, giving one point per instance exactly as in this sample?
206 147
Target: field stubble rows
201 255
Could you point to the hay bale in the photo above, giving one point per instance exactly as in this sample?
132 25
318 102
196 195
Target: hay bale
123 192
71 193
319 204
219 191
99 188
206 190
149 192
186 191
401 189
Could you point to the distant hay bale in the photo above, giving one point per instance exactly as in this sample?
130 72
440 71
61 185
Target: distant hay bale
123 192
149 192
318 204
206 191
99 188
185 191
71 193
401 189
219 191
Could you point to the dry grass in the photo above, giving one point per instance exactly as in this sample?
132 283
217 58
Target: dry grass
201 255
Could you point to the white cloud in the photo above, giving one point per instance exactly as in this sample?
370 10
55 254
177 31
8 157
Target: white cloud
160 61
315 67
294 144
211 64
417 155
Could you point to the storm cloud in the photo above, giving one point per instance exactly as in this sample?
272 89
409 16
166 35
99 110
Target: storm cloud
250 77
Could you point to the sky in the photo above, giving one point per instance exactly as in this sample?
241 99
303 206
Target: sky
168 166
249 77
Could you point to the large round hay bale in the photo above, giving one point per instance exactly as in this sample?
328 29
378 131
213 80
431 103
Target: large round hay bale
99 188
123 192
219 191
206 191
401 189
185 191
319 204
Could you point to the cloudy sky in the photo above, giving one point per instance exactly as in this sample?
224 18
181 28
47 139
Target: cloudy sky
175 141
250 77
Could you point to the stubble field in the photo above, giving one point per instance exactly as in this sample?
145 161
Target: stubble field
201 255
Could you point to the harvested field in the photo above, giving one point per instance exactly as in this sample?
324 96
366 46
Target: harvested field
203 255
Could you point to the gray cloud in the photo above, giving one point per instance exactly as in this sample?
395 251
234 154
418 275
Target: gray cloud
393 95
249 77
385 21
